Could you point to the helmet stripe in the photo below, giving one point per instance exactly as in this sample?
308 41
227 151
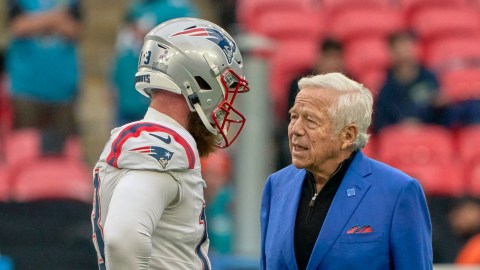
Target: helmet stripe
191 32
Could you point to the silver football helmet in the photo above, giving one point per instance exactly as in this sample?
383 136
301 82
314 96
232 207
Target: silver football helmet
201 61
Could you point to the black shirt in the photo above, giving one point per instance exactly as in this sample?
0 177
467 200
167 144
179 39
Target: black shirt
312 211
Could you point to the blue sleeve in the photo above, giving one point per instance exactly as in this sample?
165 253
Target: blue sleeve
411 231
264 216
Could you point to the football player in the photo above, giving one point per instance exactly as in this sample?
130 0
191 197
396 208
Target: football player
149 208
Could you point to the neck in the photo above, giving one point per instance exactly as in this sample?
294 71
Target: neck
171 104
329 169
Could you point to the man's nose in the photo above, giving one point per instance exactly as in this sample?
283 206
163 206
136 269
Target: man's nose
297 128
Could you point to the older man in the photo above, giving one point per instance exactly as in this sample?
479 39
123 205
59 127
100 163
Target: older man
335 208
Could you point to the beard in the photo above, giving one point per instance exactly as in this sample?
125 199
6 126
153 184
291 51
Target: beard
205 139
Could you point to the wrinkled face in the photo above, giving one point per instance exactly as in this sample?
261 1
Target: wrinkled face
310 132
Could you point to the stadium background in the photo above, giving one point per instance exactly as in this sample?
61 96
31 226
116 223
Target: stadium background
280 39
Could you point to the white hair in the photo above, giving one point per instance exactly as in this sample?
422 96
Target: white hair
354 103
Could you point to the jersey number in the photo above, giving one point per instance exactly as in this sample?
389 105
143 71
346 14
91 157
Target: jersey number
198 250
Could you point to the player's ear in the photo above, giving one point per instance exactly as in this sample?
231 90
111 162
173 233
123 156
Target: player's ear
348 135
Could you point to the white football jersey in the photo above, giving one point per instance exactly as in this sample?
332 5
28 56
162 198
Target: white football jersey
157 143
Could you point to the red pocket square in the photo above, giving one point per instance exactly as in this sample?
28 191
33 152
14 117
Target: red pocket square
356 229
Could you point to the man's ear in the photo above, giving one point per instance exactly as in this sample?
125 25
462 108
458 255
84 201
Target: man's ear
349 135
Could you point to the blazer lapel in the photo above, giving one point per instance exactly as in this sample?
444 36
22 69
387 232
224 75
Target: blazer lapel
348 197
292 193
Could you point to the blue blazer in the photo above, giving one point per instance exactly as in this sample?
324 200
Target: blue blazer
378 220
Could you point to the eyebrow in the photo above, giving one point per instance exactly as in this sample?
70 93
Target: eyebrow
307 113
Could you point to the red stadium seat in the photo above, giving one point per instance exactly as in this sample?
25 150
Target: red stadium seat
458 85
373 79
411 144
73 148
436 179
435 23
290 60
475 4
4 184
249 11
365 55
22 145
52 178
425 152
473 184
25 144
409 5
245 7
336 5
370 149
453 53
364 22
468 142
289 24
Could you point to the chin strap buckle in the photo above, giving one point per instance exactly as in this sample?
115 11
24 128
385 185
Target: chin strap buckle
193 99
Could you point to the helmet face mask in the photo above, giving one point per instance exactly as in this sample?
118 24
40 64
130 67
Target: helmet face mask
229 121
201 61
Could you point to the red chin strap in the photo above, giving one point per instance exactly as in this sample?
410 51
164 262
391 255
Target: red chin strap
229 121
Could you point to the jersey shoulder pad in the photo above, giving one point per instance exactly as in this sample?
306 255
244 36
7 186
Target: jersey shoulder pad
152 146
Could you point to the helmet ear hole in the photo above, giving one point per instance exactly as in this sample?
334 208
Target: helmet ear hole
202 83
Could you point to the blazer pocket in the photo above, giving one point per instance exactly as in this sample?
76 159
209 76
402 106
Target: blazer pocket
361 238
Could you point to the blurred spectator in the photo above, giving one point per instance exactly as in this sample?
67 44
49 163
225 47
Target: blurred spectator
226 12
465 222
411 92
330 59
216 171
470 254
43 66
446 244
455 223
141 17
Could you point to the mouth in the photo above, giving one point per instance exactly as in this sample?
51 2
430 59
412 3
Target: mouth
296 149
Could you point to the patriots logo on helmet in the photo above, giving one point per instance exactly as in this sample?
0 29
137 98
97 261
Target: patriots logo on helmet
162 155
227 45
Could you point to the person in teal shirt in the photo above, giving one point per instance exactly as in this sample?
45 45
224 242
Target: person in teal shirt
42 63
